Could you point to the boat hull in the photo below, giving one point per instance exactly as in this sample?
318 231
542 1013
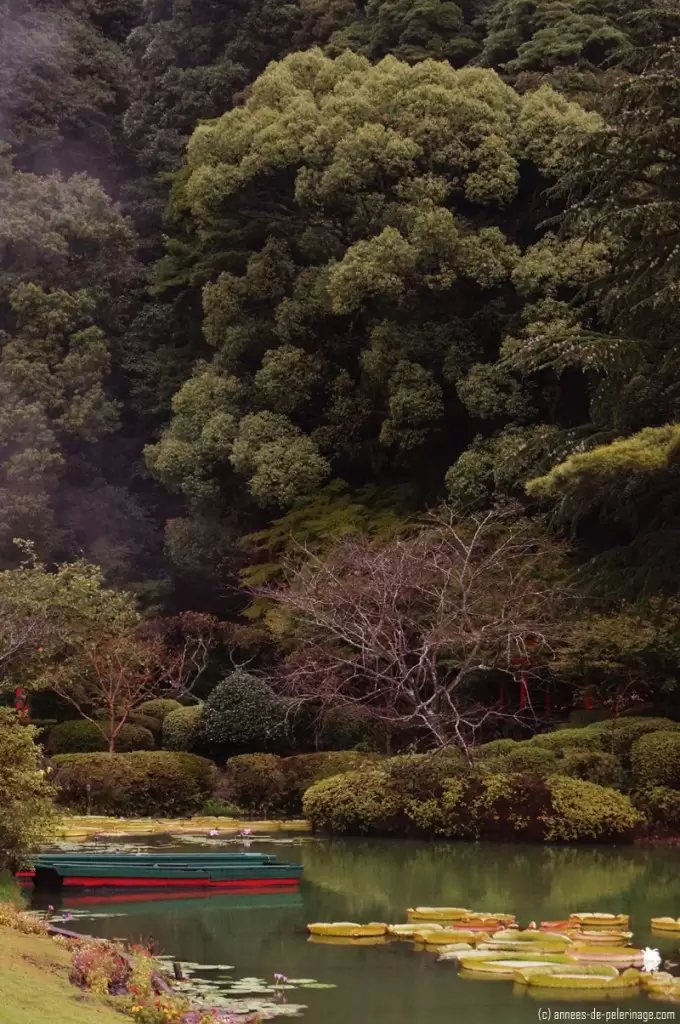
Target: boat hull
161 871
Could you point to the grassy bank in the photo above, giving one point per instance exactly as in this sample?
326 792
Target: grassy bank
34 984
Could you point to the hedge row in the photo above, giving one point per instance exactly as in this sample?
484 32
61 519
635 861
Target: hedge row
270 785
81 737
374 801
139 784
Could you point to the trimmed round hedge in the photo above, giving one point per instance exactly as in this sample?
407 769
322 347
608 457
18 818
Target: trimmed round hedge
618 735
267 784
181 728
495 806
158 783
591 766
81 737
243 715
159 708
521 757
655 760
661 807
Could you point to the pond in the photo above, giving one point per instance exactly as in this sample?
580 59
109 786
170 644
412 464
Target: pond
377 880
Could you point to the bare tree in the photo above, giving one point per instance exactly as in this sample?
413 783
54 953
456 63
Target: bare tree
108 675
402 630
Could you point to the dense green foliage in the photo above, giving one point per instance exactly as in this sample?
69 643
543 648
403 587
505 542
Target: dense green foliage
277 278
139 784
242 714
25 795
80 737
505 806
182 727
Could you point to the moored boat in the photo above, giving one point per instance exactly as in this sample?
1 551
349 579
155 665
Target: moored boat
154 870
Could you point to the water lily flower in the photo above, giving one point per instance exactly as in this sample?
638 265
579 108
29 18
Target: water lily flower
213 832
280 979
50 907
651 959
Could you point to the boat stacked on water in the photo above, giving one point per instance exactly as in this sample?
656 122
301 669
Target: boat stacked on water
223 871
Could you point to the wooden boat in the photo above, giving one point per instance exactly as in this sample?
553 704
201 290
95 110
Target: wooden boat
162 870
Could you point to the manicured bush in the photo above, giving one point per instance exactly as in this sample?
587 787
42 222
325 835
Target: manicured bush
216 808
346 729
159 708
560 740
154 726
661 807
243 714
254 782
592 766
584 812
181 728
82 737
618 735
355 803
525 758
267 784
420 776
26 814
500 806
157 783
493 749
655 760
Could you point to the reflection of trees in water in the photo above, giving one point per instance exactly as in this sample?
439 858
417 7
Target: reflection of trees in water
380 877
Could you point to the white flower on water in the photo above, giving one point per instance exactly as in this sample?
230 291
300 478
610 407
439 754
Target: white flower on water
651 959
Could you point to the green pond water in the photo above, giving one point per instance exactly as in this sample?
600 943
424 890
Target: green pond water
377 880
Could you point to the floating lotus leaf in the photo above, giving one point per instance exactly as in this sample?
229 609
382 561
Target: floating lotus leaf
436 913
577 980
657 980
523 975
349 929
341 940
666 924
600 937
521 947
575 995
445 937
605 955
407 931
601 920
529 935
506 964
318 984
455 952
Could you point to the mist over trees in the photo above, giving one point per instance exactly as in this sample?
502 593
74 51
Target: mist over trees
276 278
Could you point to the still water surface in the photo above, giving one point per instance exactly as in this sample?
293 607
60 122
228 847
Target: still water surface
377 880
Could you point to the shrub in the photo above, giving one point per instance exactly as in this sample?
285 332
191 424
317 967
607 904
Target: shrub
588 738
254 782
655 760
345 728
357 803
494 806
215 808
619 734
592 766
147 722
661 807
523 758
493 749
583 811
143 783
181 728
81 737
159 709
243 714
26 814
420 776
